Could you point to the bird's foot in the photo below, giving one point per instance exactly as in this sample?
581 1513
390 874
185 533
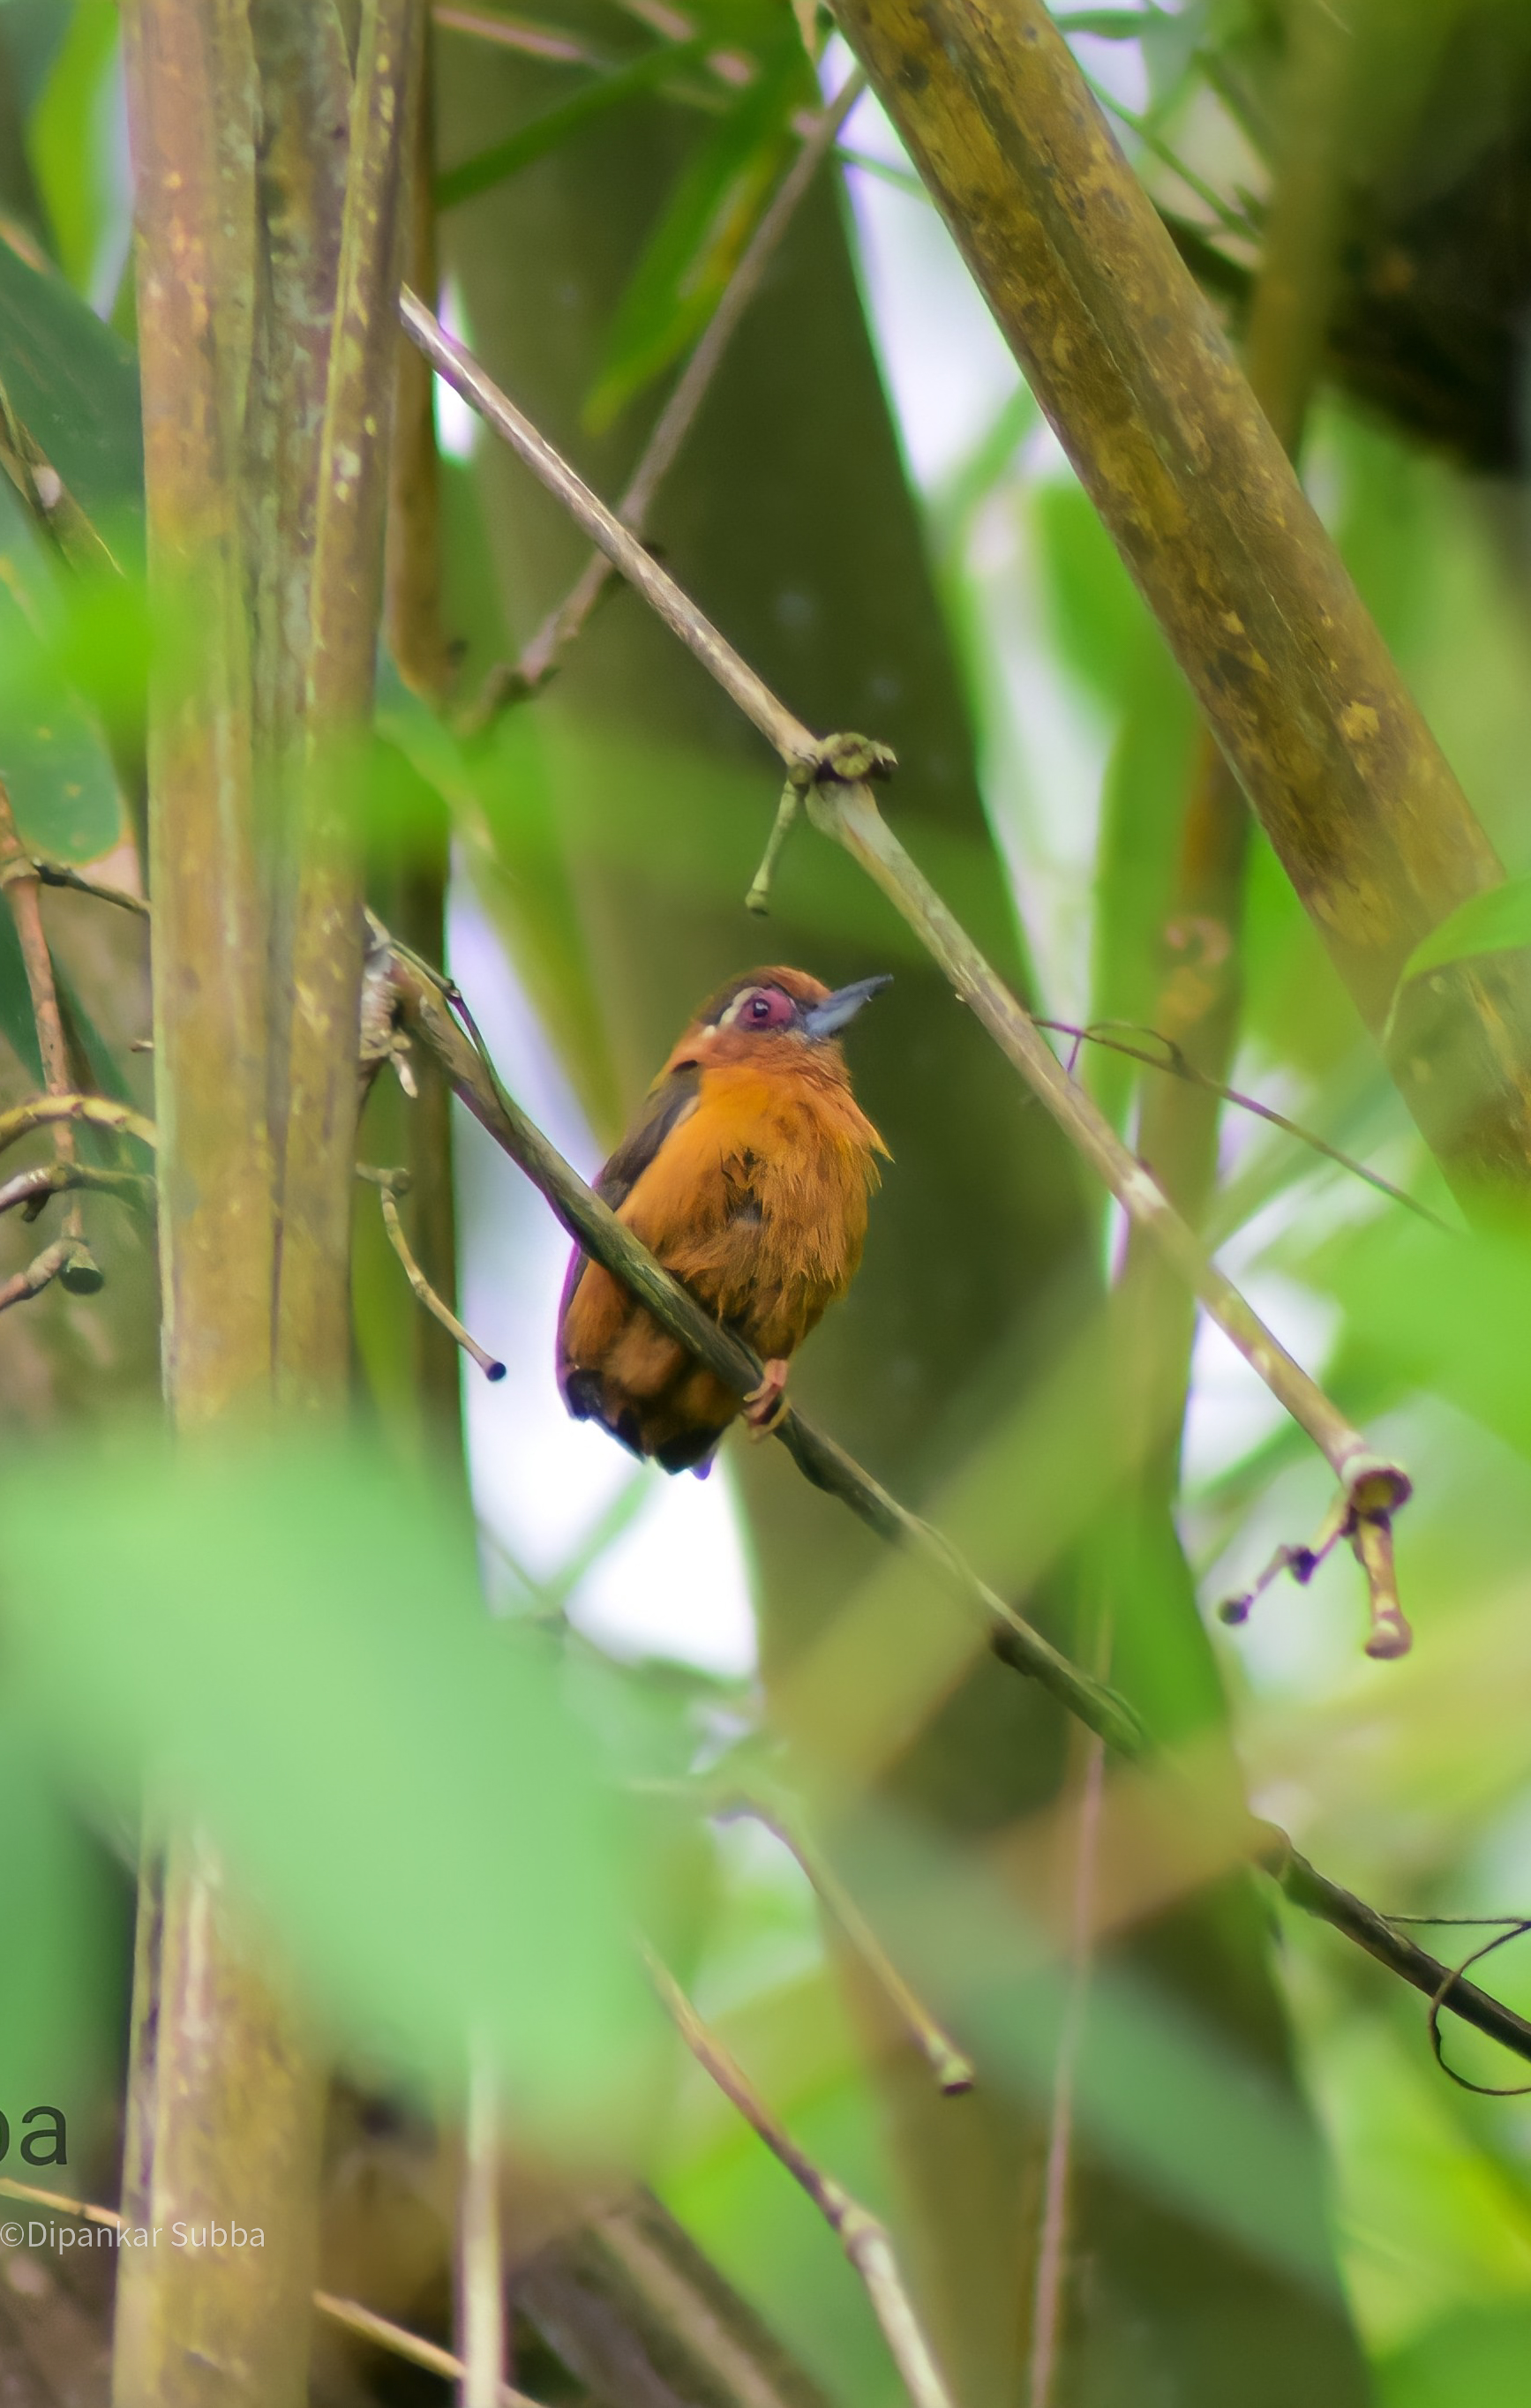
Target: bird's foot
765 1406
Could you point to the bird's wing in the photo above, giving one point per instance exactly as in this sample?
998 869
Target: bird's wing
669 1102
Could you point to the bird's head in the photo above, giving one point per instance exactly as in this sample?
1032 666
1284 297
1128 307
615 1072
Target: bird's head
766 1008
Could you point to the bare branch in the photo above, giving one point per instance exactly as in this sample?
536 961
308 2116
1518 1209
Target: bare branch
1379 1935
481 2273
59 873
1051 2245
862 2238
512 682
1175 1063
518 34
100 1111
76 1265
31 1189
787 734
953 2069
832 773
390 1186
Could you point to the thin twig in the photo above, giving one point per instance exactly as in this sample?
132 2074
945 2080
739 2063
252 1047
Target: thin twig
953 2069
100 1111
422 1000
832 773
76 1265
864 2239
393 2337
480 2273
1175 1063
31 1189
1051 2243
1377 1934
349 2312
391 1186
518 33
459 369
59 873
541 658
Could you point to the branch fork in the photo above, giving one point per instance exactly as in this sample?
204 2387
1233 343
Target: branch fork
1362 1516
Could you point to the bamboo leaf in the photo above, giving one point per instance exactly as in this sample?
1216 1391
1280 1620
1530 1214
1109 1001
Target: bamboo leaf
487 169
61 780
74 386
1096 616
1496 922
294 1639
68 157
704 226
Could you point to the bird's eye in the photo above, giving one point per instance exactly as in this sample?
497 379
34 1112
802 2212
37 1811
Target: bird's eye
759 1008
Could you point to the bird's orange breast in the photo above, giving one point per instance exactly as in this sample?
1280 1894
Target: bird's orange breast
758 1199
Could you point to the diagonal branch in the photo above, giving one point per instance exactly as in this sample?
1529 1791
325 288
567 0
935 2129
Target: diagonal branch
832 774
541 658
420 1001
862 2238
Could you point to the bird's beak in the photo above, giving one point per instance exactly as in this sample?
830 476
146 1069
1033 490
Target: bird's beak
824 1019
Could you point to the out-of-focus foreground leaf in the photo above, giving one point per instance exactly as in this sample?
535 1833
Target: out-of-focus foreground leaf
291 1645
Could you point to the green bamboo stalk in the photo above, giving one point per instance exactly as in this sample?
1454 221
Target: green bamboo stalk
1192 483
223 2108
323 949
265 312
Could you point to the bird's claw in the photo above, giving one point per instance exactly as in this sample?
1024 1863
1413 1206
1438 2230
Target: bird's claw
765 1406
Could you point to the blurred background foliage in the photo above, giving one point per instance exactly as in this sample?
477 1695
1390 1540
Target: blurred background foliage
1278 2192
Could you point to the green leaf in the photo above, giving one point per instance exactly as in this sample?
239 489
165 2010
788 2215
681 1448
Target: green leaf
1478 2353
1497 922
548 132
1144 802
704 226
69 156
74 385
289 1640
62 783
1095 614
61 2000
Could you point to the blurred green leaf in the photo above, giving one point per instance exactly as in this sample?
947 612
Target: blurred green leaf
709 217
74 385
62 1975
1144 802
68 139
1203 2126
487 169
1446 1313
51 758
1497 922
1094 613
1479 2354
288 1642
61 780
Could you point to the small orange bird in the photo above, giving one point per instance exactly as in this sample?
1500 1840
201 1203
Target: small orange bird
748 1174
